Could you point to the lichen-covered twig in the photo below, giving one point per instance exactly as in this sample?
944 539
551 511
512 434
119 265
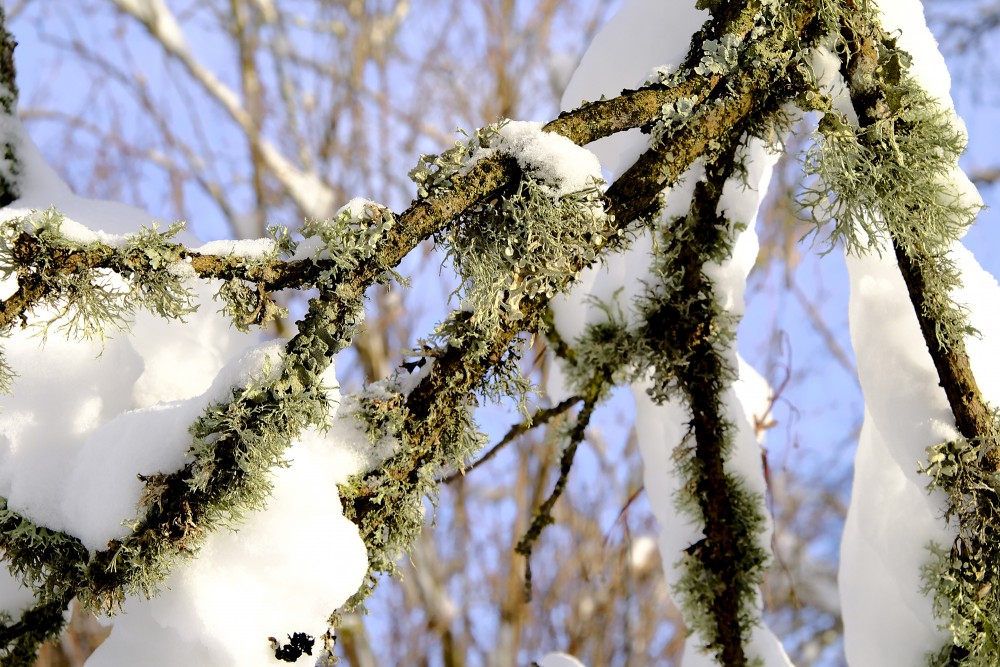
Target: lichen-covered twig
542 517
893 181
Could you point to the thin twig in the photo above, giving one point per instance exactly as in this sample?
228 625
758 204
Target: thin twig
543 515
541 416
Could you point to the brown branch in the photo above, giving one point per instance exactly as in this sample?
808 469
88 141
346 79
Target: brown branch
701 380
651 173
719 118
973 416
984 175
635 193
542 517
540 417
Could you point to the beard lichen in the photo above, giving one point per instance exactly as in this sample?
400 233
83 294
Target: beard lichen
73 280
522 247
893 180
527 242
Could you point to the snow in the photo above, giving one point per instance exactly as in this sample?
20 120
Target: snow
904 20
74 396
285 571
361 212
892 518
559 660
358 207
642 35
85 419
659 429
826 68
619 281
249 248
102 490
15 599
560 164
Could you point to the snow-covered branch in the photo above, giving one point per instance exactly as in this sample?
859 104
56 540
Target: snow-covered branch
521 211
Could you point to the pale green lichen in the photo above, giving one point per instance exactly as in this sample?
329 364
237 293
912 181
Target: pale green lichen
962 580
85 289
896 178
235 444
388 505
892 181
353 236
672 115
435 173
350 239
719 56
683 349
248 305
79 295
520 248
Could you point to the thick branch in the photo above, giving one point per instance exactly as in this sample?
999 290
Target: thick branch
973 416
869 94
457 369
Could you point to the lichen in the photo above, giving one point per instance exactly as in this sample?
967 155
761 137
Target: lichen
719 56
962 580
520 248
894 179
76 291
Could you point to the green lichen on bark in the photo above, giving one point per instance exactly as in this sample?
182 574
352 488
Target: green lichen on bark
687 340
892 182
893 177
235 443
71 283
234 446
520 247
963 580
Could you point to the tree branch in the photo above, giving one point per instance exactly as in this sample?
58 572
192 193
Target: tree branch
870 95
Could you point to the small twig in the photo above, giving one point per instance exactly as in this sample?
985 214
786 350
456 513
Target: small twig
624 510
541 416
543 515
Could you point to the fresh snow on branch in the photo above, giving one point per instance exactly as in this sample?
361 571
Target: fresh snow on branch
87 418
